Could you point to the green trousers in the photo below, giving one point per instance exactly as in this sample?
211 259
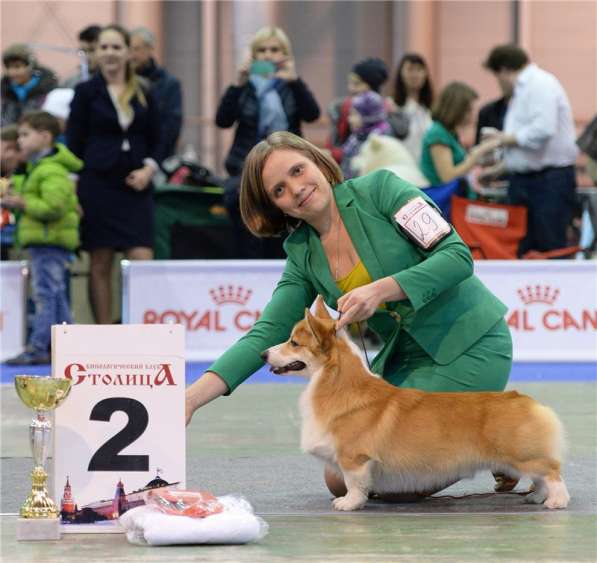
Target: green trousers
485 366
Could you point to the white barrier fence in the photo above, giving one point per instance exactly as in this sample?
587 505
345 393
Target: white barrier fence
13 292
552 304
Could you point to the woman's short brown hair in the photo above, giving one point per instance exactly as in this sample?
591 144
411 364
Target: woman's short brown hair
453 103
259 213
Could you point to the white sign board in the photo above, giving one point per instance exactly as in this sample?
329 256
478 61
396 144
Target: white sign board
217 302
13 295
121 431
552 306
552 303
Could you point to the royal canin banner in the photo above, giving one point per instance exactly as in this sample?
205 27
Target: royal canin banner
216 302
552 305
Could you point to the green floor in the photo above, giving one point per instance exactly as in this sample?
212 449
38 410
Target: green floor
248 443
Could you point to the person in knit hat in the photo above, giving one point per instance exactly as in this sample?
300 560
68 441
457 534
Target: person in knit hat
367 75
373 72
367 115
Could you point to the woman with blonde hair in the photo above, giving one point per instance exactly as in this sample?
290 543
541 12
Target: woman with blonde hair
268 96
114 128
442 329
443 158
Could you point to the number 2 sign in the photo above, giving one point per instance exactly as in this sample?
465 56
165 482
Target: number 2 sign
121 432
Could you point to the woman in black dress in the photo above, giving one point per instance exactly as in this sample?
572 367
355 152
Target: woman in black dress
114 127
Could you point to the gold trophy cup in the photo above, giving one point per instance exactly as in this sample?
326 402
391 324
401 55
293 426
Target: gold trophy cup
39 516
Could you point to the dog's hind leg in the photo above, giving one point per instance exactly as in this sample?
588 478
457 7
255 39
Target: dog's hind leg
557 492
357 476
546 473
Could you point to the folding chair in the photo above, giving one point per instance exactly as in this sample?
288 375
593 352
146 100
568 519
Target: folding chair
493 231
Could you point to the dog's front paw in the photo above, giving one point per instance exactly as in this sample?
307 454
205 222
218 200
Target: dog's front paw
349 502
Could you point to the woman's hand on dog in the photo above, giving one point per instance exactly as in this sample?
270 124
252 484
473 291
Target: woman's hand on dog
360 303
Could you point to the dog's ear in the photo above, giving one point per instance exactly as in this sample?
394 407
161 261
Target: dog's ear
321 311
322 329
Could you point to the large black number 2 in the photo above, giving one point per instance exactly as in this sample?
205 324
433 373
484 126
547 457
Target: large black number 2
107 458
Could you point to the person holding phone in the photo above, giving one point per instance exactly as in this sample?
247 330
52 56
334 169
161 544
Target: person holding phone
268 96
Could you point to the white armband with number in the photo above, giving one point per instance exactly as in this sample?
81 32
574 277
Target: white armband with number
422 223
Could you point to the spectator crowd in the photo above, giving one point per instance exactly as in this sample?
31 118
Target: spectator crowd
80 158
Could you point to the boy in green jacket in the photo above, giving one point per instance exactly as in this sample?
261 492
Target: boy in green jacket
48 226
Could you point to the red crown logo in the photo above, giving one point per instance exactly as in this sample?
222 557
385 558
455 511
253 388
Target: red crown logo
231 294
538 294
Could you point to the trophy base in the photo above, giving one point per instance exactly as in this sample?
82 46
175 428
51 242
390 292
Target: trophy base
38 529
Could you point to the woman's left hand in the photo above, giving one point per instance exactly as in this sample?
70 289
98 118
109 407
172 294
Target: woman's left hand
287 70
139 179
358 305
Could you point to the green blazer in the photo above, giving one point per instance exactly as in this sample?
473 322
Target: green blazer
448 308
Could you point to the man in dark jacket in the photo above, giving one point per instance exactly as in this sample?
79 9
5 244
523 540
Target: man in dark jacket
166 87
24 85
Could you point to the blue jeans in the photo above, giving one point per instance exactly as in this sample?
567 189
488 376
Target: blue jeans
48 276
549 197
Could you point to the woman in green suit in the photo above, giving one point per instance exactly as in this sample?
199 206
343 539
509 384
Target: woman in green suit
353 243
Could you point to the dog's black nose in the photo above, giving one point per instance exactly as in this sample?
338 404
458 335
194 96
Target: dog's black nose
264 356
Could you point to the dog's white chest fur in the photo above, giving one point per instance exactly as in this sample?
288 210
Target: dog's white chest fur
314 439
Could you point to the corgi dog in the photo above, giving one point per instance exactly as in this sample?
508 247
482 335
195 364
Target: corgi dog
384 439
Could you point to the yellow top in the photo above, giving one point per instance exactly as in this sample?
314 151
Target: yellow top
357 277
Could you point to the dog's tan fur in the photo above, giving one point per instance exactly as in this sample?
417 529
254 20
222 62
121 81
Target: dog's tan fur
385 439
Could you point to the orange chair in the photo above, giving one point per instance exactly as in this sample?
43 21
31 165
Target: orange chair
493 231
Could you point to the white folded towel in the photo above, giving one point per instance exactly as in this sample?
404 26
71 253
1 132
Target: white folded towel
236 524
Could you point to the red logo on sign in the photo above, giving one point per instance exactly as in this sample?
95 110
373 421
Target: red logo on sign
230 294
552 319
211 320
538 294
107 373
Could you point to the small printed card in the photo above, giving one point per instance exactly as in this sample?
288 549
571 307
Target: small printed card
422 223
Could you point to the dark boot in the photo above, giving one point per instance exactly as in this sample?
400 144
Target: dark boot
504 483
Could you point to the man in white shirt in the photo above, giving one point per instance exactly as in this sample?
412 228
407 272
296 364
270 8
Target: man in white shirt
540 147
